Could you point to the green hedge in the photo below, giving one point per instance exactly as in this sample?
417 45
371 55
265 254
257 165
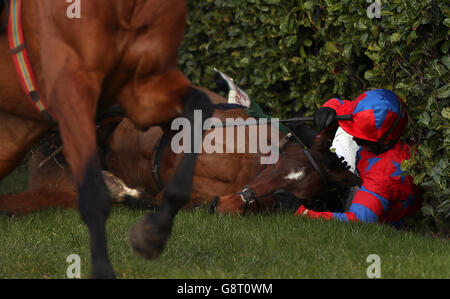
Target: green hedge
293 55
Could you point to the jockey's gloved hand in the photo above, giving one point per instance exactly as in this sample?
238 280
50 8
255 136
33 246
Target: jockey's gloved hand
325 117
285 201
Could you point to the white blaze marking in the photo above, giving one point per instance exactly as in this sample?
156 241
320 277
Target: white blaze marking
296 175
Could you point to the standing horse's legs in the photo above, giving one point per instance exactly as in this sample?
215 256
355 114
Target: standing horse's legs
148 237
77 94
93 196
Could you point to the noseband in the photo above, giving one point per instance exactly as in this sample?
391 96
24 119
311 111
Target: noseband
248 196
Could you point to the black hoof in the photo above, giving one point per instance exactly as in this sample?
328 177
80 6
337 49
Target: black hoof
149 236
103 271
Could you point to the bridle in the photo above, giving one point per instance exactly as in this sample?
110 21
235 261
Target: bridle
248 195
310 158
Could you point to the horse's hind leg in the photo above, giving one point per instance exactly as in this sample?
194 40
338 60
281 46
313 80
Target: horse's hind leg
148 237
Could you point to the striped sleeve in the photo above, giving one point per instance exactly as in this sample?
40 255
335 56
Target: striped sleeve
348 216
367 206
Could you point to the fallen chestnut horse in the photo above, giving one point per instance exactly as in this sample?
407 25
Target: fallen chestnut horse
121 51
131 155
142 166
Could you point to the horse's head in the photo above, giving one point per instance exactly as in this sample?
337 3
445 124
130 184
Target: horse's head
294 172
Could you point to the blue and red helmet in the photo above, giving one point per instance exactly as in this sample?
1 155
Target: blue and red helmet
378 115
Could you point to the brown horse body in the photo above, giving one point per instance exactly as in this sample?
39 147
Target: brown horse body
122 51
49 185
131 157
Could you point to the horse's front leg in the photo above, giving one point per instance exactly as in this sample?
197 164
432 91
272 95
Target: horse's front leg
74 101
149 236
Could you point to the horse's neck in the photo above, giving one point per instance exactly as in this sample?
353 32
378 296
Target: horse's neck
293 146
296 150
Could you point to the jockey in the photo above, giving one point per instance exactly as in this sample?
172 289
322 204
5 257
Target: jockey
386 195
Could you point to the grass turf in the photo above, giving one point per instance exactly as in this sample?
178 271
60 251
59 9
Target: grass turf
218 246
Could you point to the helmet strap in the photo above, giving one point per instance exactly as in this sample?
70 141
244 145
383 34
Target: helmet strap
391 129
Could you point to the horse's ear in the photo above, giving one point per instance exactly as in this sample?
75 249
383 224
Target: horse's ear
324 139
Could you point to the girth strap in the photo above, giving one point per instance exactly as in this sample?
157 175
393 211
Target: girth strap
21 60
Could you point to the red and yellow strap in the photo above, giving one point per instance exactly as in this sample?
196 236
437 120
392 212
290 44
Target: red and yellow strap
20 57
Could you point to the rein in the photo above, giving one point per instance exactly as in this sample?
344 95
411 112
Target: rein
270 120
311 159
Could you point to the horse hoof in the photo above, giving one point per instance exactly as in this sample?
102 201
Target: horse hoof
104 271
148 237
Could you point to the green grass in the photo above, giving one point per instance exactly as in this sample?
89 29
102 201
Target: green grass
15 182
221 246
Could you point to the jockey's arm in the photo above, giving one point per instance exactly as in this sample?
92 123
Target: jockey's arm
366 206
325 116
